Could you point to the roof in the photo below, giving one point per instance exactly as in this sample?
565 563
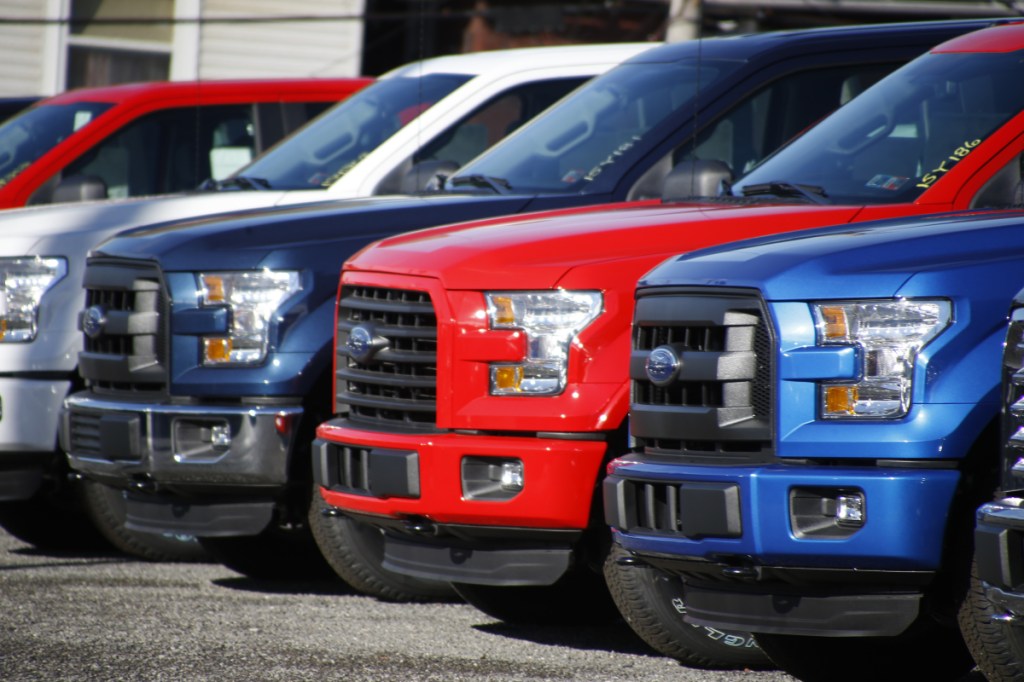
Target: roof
246 87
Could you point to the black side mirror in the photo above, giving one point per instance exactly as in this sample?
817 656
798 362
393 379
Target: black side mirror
79 188
692 179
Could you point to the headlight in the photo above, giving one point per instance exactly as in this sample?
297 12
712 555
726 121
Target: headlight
251 297
24 281
550 320
890 334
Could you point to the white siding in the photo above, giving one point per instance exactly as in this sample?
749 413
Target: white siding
21 62
318 48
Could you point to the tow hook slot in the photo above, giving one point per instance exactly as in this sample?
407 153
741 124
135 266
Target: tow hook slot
420 527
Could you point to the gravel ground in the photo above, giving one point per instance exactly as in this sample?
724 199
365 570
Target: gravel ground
105 616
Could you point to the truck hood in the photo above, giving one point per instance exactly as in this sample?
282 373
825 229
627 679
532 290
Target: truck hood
40 229
904 257
537 250
284 236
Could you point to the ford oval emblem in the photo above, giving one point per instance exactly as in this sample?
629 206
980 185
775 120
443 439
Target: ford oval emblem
663 365
360 344
93 321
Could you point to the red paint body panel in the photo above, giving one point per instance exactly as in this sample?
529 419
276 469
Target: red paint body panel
130 102
1007 38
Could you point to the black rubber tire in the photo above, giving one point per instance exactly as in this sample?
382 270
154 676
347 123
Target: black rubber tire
580 597
652 604
277 554
53 523
355 551
107 509
925 651
997 647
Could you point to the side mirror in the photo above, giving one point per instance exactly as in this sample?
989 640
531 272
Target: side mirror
691 179
427 176
79 188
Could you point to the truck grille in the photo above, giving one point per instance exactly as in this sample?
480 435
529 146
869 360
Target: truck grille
1013 395
386 358
125 339
716 405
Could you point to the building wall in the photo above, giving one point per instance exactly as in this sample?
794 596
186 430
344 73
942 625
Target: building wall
320 38
28 47
187 39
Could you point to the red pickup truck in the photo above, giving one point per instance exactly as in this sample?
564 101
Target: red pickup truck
151 138
482 369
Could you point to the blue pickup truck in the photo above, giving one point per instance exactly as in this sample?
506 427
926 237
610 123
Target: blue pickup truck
208 343
815 419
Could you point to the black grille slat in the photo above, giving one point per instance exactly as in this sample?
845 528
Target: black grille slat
396 386
130 354
717 407
85 434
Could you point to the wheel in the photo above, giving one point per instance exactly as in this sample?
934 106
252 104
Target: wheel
355 551
107 509
652 603
275 554
998 647
580 597
925 651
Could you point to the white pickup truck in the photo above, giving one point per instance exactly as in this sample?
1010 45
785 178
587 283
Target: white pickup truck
391 137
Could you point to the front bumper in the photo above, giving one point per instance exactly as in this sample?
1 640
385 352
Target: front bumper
29 418
999 553
440 497
768 535
180 452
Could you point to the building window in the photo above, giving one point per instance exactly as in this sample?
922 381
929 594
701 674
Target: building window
119 41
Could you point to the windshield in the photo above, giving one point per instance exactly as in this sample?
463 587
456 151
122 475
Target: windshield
333 143
597 131
901 136
26 137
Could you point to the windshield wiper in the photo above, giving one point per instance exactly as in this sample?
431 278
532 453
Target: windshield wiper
496 185
812 193
235 182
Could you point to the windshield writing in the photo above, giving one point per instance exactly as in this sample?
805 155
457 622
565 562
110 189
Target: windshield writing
905 134
597 129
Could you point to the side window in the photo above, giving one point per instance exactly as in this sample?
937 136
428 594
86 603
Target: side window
164 152
477 132
769 118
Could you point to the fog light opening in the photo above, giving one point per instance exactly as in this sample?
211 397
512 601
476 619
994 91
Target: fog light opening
850 510
220 436
512 479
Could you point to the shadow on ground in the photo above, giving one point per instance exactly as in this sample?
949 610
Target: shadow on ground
615 637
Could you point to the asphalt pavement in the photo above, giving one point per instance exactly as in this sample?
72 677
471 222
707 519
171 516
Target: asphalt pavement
104 616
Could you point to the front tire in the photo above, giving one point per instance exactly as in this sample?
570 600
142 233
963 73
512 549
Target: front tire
998 647
652 604
355 551
108 510
925 651
580 597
